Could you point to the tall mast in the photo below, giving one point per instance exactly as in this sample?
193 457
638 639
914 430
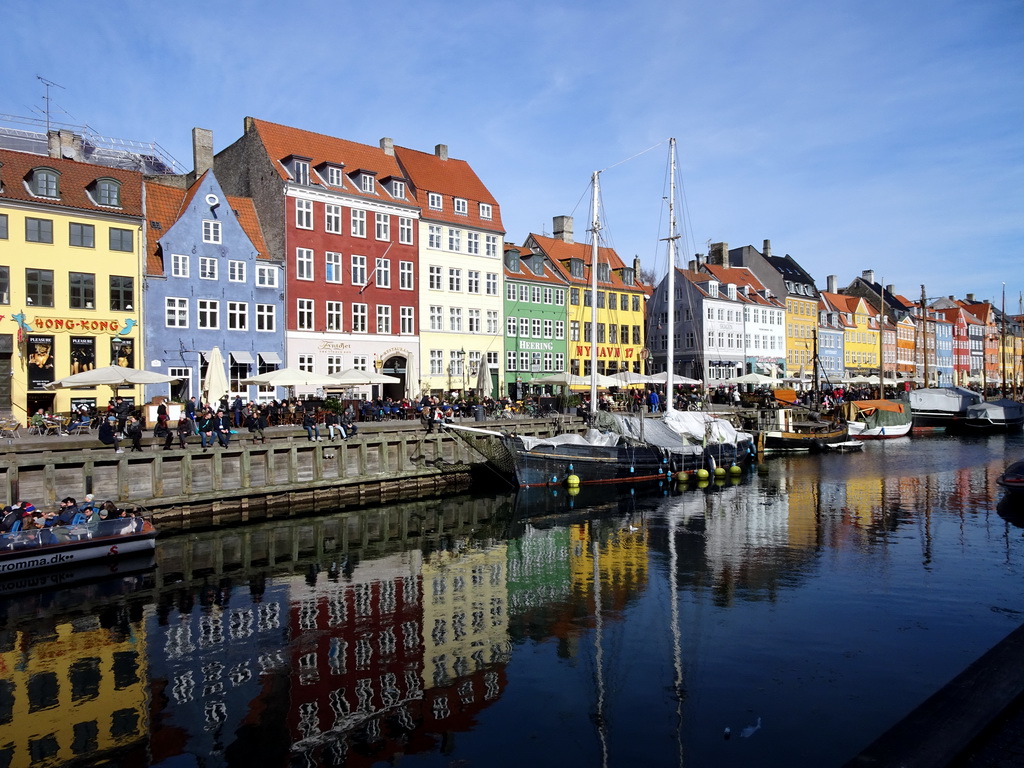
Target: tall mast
881 342
1002 344
671 282
595 229
924 334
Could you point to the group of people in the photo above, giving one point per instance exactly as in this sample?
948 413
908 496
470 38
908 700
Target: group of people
25 516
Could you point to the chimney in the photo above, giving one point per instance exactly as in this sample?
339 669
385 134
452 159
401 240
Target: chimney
248 124
890 289
441 150
832 283
868 275
388 145
64 144
952 298
767 248
719 254
692 266
202 150
562 226
636 268
970 298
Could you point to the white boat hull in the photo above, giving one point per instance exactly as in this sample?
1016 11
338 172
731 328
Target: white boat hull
861 431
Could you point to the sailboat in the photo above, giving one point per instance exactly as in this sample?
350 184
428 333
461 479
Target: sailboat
618 448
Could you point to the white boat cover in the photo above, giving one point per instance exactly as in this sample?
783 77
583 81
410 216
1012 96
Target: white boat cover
943 399
675 430
996 411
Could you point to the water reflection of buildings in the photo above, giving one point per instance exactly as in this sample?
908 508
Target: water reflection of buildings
77 692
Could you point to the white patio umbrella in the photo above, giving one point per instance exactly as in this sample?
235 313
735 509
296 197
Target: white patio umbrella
753 378
662 378
630 379
113 376
352 377
215 384
571 380
291 377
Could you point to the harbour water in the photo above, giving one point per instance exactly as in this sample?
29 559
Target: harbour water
785 617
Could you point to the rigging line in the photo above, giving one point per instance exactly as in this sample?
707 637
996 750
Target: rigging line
634 157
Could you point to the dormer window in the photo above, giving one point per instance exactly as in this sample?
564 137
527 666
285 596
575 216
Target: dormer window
335 177
45 183
713 289
461 206
604 273
576 267
485 211
300 172
398 190
434 201
366 183
628 276
108 192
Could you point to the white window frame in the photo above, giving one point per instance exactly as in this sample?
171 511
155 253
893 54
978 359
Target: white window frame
473 281
492 322
461 206
485 211
211 231
435 275
359 318
208 268
303 213
454 240
332 218
406 276
384 319
175 312
382 229
180 263
236 271
491 245
357 269
434 236
305 363
436 362
305 314
383 277
406 321
300 172
335 176
208 314
266 276
473 324
455 319
436 317
266 318
473 243
238 316
333 268
398 189
434 201
454 280
405 230
335 315
358 228
367 184
303 263
491 284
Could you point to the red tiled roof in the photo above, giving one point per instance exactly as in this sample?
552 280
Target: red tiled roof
449 178
736 275
75 178
560 251
282 141
551 274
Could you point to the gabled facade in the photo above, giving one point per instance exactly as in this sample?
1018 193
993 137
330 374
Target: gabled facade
618 339
987 315
860 333
342 217
535 319
960 337
70 278
461 242
209 282
762 333
831 334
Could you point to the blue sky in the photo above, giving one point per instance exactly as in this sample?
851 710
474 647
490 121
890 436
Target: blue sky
853 135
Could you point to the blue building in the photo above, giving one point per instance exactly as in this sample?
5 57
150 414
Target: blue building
831 338
943 353
209 282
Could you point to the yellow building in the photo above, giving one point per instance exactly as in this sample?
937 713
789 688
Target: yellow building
801 324
70 245
74 694
860 333
620 300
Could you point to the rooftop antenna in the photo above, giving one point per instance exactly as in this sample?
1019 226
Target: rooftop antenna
46 98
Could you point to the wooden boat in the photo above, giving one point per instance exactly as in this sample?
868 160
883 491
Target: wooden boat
62 546
941 409
877 419
779 432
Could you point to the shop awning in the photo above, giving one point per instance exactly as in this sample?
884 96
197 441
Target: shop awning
243 357
271 357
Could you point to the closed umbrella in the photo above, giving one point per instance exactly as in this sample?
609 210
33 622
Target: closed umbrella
412 379
483 380
215 385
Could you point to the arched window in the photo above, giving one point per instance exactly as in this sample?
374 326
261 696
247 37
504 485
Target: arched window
45 182
108 192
